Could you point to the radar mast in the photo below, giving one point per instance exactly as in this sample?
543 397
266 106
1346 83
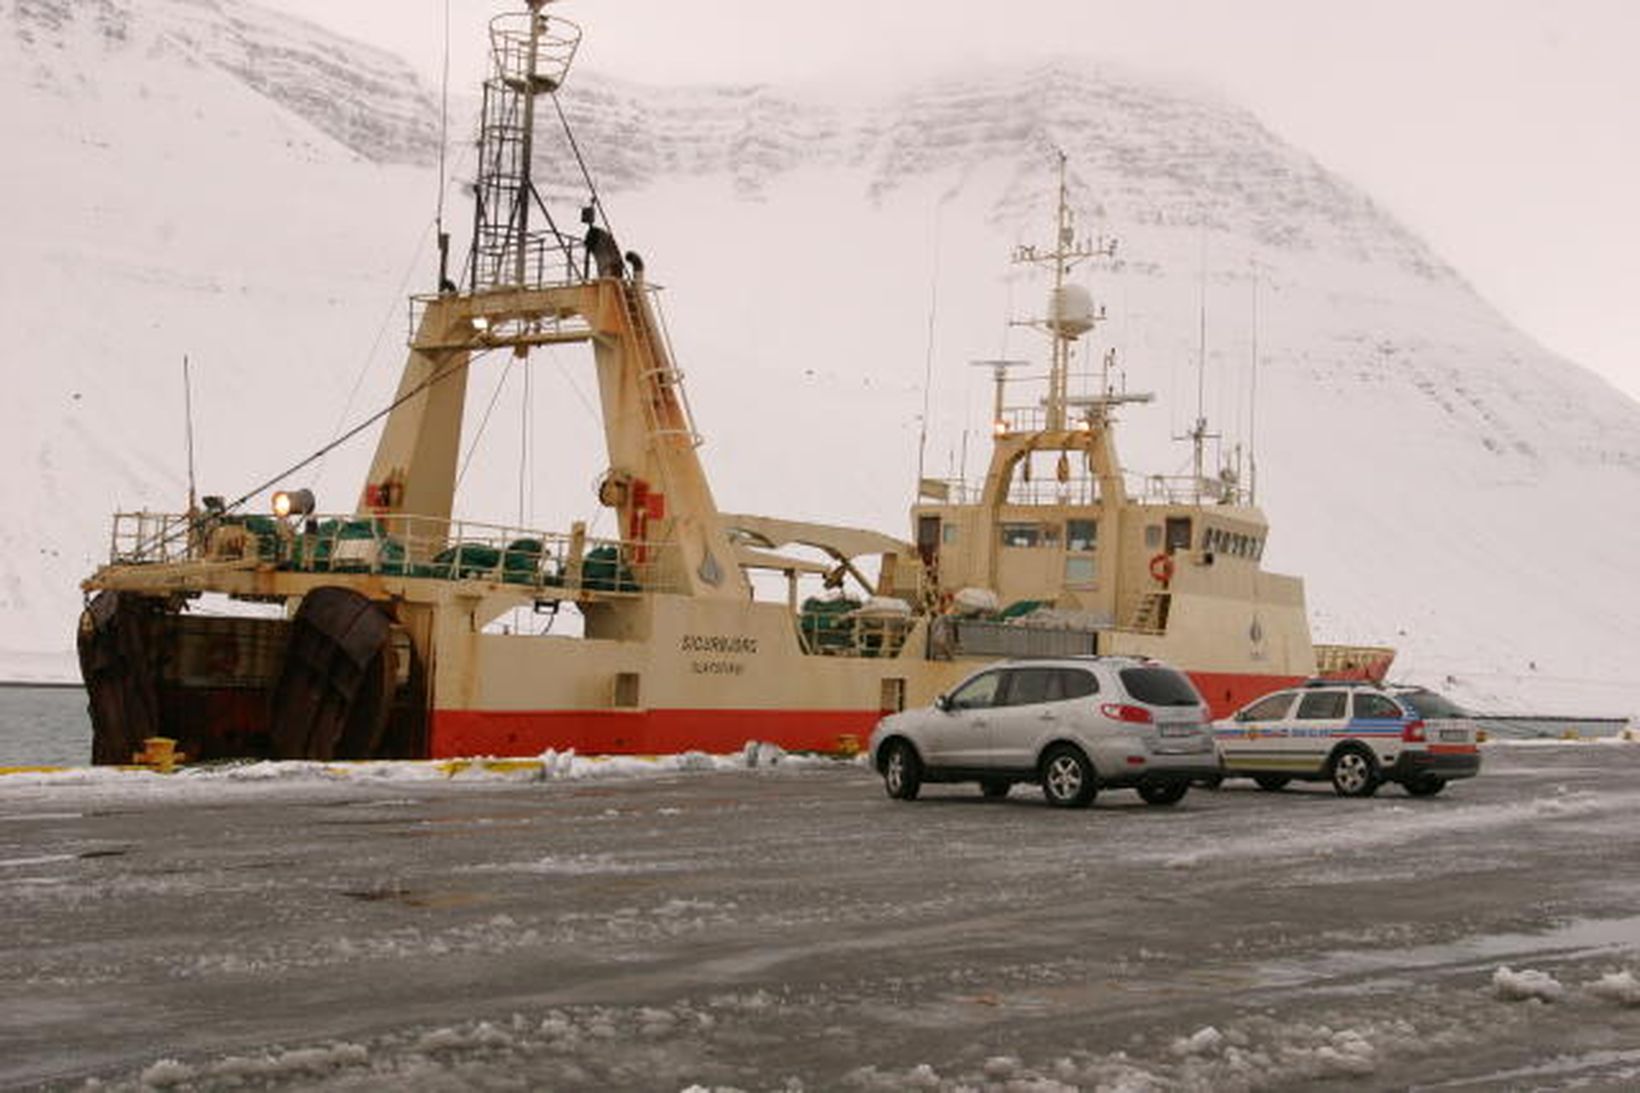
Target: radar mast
1071 312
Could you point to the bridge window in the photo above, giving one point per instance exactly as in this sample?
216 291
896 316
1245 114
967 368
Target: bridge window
1022 535
1081 535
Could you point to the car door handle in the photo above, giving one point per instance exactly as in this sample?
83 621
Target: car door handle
1047 715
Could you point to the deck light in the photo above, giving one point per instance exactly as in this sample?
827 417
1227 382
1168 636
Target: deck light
292 503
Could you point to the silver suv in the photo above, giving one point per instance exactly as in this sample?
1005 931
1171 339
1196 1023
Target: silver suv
1074 725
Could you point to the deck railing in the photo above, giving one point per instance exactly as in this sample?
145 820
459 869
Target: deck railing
398 546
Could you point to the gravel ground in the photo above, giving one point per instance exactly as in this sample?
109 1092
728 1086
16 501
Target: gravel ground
790 928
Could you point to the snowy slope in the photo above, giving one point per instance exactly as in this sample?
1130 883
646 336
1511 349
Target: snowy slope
212 179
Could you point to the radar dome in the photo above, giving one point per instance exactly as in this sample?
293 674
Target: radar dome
1070 311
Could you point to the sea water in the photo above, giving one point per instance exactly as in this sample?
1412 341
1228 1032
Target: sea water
44 726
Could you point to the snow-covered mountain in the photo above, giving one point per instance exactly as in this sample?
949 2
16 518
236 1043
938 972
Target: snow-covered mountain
205 177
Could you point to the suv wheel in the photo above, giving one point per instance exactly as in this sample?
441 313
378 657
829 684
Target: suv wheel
1427 786
1163 793
1354 773
1271 783
902 772
1067 777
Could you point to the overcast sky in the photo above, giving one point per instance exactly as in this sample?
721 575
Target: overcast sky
1505 132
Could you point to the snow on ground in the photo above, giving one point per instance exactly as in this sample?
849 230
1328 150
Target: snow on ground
550 766
761 921
638 1044
220 778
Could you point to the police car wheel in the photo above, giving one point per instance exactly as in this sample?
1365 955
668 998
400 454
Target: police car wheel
1162 794
1427 786
1354 773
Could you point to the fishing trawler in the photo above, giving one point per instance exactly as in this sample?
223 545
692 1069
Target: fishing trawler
382 630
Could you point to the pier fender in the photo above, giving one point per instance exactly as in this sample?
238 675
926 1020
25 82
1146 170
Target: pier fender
118 662
335 690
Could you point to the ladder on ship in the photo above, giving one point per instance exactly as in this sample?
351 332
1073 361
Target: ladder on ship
1150 615
667 416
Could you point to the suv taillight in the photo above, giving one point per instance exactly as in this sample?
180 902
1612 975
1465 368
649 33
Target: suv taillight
1121 711
1413 732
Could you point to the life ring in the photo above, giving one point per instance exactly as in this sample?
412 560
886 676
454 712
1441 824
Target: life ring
1161 568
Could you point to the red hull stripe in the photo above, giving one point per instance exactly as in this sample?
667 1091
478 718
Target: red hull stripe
1227 692
459 733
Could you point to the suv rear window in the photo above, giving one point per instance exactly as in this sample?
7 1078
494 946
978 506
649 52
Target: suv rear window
1159 687
1030 686
1075 683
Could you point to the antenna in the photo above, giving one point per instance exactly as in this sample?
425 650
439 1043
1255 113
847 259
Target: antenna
1252 400
188 415
928 361
1198 435
443 152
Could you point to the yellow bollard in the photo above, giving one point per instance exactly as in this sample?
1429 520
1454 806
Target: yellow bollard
159 754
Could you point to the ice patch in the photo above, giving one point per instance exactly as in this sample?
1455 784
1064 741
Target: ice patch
275 1065
1526 985
1202 1042
1620 987
577 865
482 1035
167 1073
43 859
758 754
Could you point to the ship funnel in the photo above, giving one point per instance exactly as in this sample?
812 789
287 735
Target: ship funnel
1071 313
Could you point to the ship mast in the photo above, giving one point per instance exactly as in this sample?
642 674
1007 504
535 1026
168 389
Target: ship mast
530 55
1070 310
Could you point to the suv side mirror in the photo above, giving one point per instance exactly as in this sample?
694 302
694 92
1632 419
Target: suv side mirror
942 703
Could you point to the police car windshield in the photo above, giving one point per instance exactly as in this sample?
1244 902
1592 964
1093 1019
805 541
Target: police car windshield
1159 687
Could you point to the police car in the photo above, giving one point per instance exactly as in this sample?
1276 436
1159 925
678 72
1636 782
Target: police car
1355 735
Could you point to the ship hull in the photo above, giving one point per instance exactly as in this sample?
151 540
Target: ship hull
355 680
458 733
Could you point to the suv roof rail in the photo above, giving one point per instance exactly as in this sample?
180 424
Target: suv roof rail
1136 658
1322 681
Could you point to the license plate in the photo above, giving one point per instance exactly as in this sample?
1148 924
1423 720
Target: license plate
1181 730
1458 736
